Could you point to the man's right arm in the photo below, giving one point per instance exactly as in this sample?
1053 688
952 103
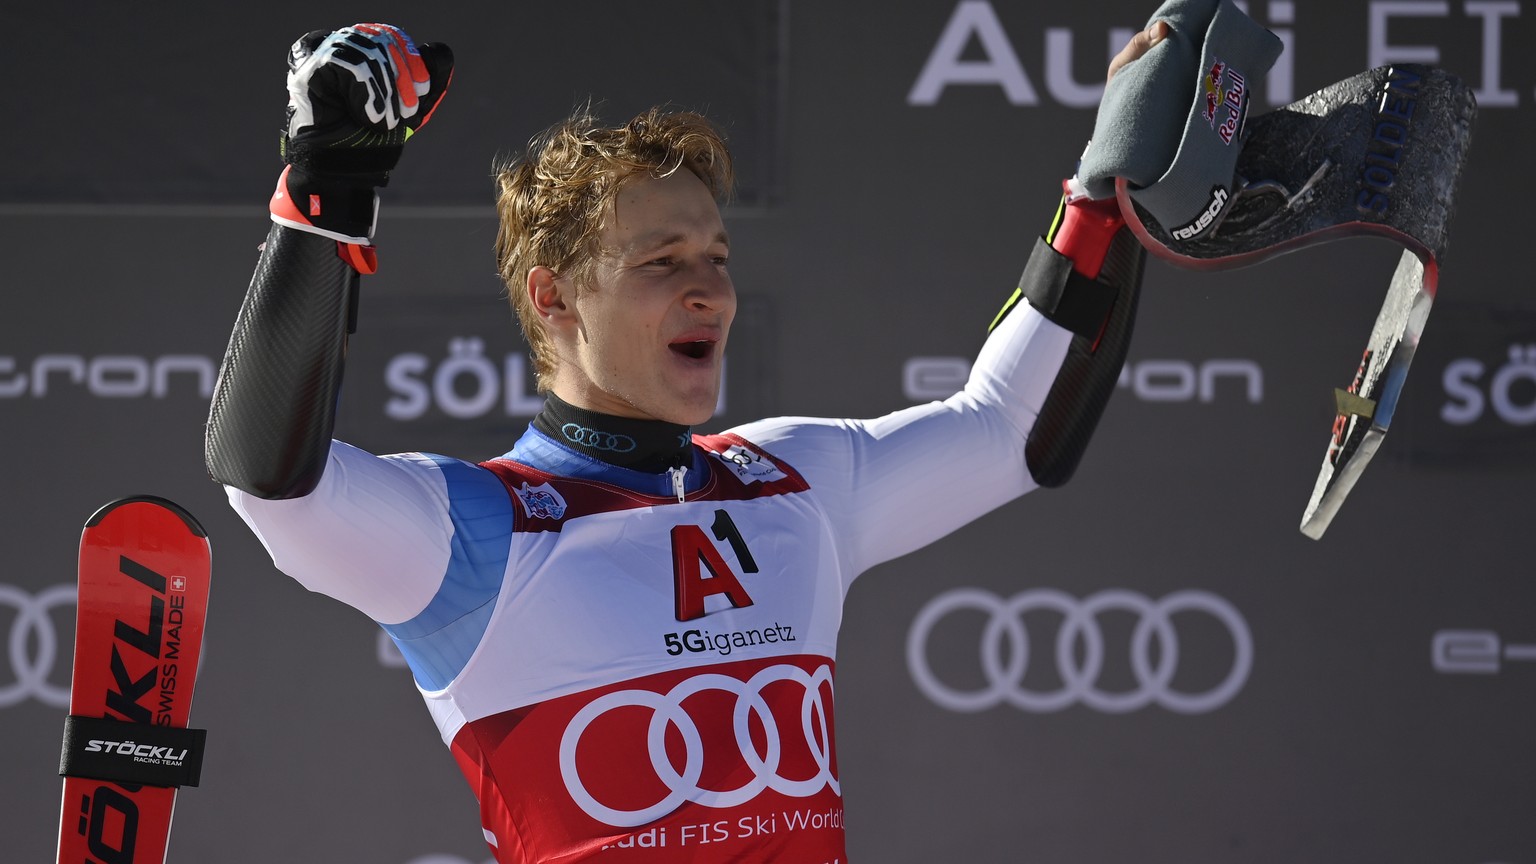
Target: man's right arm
355 96
269 427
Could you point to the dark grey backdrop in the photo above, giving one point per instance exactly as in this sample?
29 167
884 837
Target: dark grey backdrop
1386 713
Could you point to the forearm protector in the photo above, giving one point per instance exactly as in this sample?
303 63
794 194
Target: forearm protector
274 406
1085 276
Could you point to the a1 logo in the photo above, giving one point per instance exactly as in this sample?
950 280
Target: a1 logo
693 553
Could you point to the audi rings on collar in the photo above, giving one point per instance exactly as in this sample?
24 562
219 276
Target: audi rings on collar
597 439
1005 651
667 710
32 620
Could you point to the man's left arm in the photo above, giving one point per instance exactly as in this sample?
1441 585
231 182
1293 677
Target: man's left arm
1026 414
894 484
1084 276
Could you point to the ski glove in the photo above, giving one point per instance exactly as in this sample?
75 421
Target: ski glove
355 97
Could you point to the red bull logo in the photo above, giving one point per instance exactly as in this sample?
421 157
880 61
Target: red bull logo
1232 98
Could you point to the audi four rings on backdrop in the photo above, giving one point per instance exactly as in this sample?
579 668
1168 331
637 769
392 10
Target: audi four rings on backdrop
32 620
1005 653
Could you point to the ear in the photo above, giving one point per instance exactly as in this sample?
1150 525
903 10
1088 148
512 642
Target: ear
553 298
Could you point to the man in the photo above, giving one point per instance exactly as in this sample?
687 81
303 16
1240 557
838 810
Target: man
625 631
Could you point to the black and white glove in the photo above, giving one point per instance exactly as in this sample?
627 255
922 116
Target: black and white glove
355 96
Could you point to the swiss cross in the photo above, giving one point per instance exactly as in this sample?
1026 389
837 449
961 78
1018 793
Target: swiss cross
178 583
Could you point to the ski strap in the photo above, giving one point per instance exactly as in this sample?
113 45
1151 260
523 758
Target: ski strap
101 748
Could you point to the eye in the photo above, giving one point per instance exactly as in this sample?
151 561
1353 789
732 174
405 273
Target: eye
721 260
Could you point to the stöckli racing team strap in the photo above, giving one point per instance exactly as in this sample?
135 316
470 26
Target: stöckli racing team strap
1377 154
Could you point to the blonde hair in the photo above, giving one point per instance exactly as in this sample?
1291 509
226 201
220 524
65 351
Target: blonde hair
552 202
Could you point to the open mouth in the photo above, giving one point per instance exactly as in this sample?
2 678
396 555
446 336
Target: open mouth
696 350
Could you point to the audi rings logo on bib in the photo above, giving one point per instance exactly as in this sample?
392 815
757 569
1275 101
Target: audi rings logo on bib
1095 659
34 646
778 736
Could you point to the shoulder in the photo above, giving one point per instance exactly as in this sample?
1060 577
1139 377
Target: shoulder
807 443
355 478
790 434
747 463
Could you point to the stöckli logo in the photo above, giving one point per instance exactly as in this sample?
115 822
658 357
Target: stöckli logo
148 753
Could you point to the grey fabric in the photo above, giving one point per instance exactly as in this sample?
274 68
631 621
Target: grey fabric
1171 122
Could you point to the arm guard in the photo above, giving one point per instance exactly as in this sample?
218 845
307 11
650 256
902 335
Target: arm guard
274 406
1085 277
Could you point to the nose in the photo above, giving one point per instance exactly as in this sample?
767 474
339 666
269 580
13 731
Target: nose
710 288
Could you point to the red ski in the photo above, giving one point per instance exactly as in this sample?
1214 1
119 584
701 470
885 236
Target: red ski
144 568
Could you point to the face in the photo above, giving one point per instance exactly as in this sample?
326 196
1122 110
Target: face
647 338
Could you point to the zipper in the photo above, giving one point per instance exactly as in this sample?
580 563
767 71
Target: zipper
677 482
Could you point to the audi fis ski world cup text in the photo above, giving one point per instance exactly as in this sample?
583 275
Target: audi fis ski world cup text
975 49
722 830
455 859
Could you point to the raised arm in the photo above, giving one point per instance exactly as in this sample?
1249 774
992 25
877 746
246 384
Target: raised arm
354 97
896 483
1026 415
